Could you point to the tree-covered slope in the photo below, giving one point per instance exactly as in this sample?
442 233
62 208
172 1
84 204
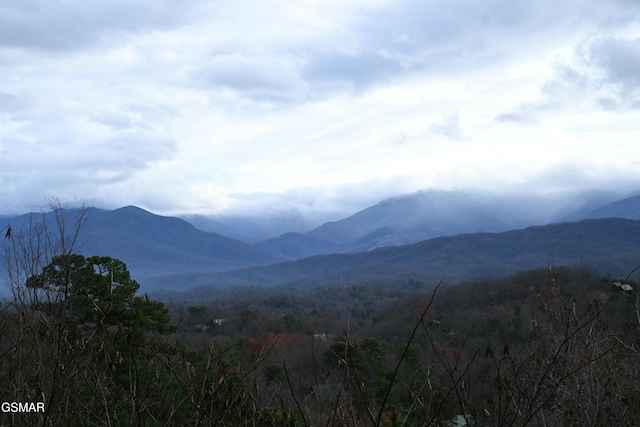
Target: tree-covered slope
608 245
151 244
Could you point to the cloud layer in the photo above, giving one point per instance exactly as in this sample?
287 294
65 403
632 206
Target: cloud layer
203 107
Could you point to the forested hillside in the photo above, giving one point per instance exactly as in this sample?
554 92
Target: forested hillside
607 245
167 252
149 244
551 345
547 346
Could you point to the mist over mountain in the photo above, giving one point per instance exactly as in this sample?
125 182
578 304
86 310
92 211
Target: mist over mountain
611 246
423 235
626 208
255 227
428 214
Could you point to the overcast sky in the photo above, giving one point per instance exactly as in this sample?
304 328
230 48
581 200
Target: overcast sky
207 106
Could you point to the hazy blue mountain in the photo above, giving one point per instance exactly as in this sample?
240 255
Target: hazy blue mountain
400 220
624 208
612 246
153 245
259 226
299 245
427 214
157 246
579 206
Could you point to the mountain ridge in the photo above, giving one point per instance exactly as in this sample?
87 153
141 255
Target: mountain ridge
427 214
152 244
611 245
156 247
628 207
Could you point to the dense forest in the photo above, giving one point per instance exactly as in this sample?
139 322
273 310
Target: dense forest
548 346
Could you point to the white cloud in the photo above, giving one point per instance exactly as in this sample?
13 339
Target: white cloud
319 105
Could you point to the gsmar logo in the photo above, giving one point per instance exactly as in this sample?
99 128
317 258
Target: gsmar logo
22 407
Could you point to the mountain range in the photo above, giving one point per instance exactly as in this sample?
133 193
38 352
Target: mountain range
430 209
152 245
611 246
425 236
428 214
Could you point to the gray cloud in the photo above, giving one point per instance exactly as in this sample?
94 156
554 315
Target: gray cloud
388 43
64 25
262 78
360 70
51 157
9 103
99 161
391 42
528 113
130 117
129 152
619 61
32 172
405 37
606 73
12 104
449 127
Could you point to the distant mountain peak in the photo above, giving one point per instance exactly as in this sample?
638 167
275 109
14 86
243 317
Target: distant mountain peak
624 208
154 245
